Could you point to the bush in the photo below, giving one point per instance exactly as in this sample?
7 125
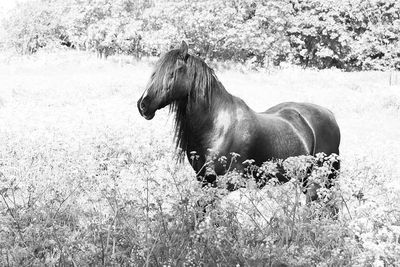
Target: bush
350 35
110 206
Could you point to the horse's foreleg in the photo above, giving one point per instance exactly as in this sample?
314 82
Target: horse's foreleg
210 176
311 192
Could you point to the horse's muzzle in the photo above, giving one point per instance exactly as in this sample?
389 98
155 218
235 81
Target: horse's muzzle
144 110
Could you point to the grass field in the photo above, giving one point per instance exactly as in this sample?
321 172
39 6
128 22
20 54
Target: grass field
85 180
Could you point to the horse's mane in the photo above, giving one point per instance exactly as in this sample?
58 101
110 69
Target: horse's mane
205 90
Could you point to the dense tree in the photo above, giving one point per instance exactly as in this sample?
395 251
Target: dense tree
347 34
32 25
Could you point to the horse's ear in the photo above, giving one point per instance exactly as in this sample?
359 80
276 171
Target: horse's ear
184 50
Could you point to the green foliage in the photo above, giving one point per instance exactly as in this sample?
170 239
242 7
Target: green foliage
109 208
317 34
377 47
31 26
356 34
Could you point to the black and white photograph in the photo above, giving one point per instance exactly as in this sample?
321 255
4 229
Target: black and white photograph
200 133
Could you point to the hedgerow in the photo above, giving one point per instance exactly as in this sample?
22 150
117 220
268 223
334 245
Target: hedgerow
350 35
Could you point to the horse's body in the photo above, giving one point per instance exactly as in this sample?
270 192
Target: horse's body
213 123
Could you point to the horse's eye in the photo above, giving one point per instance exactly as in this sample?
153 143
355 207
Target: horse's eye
171 75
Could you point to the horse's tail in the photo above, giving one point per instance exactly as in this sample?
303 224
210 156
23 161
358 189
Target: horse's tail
311 188
334 172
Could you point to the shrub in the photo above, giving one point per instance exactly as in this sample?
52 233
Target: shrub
110 206
350 35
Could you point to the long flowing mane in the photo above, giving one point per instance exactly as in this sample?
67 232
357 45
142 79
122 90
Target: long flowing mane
205 90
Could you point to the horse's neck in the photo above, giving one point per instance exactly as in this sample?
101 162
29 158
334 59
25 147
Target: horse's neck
205 111
203 116
209 123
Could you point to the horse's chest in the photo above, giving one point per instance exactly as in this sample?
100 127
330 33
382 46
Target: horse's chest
231 132
219 137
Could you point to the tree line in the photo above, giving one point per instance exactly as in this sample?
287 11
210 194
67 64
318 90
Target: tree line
346 34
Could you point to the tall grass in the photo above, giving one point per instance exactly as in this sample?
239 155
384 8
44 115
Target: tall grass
84 180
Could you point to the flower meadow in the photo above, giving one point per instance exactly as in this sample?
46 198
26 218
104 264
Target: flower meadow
85 181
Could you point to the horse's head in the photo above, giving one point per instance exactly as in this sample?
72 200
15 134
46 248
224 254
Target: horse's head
169 82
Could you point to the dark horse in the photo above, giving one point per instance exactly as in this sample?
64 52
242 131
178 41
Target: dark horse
211 121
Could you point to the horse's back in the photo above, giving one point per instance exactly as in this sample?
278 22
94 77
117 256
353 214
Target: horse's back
321 120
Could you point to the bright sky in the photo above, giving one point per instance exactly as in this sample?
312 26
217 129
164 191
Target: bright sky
6 5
